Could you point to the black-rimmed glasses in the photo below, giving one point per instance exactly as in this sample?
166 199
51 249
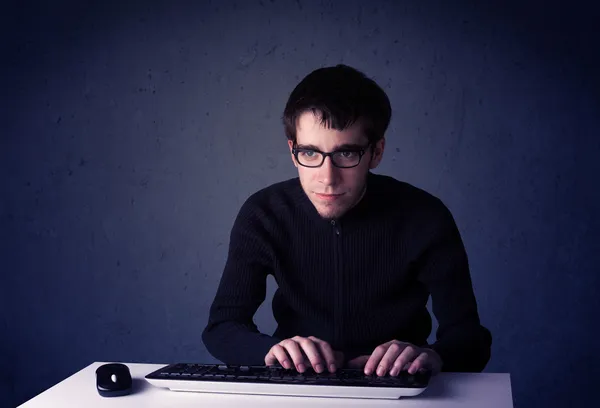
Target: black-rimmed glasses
343 158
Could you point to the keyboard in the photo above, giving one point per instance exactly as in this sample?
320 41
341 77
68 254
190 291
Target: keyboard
276 380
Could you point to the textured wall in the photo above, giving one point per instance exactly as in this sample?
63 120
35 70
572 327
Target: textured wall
130 136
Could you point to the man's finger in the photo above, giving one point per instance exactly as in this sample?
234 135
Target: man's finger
313 354
270 359
295 352
326 353
278 354
375 358
406 357
358 362
388 359
420 362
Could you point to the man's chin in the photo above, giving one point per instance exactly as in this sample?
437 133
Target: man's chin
329 212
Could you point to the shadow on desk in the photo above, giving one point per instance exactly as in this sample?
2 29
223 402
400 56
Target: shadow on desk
436 389
139 385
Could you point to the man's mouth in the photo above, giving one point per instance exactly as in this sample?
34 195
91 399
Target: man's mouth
328 197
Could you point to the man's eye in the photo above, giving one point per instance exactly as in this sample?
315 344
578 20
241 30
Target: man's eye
308 153
348 155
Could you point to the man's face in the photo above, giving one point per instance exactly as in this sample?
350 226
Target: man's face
333 190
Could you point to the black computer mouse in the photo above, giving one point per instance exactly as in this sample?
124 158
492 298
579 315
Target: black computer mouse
113 380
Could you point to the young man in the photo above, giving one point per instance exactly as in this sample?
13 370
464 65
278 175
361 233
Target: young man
355 255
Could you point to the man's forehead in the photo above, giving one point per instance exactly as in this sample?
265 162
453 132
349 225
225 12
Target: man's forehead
310 131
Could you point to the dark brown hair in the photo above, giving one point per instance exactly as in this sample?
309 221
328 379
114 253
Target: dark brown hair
340 96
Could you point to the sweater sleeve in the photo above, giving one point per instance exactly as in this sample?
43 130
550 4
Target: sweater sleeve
231 335
461 341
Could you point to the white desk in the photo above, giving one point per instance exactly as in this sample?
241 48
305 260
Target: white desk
463 390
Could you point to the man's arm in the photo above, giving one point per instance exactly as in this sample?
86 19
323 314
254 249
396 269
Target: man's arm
461 341
231 335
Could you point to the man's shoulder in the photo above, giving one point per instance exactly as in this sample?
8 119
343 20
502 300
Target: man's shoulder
411 205
402 193
278 191
275 197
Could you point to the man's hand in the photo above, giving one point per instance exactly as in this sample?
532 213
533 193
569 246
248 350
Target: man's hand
394 356
295 351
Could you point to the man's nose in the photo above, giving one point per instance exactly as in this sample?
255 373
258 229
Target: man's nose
328 173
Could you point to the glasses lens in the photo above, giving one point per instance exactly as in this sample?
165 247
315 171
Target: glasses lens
346 159
309 158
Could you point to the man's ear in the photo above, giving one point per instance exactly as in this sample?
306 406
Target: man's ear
377 153
291 146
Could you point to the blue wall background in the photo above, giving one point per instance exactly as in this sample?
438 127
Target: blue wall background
131 135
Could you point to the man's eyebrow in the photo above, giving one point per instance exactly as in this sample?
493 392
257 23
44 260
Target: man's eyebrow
345 146
307 147
350 146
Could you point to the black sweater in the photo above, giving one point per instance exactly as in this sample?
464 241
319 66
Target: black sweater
355 282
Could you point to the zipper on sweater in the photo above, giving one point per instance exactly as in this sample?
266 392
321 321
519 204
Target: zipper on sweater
338 287
336 227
